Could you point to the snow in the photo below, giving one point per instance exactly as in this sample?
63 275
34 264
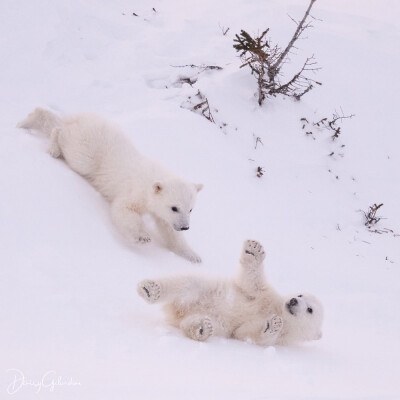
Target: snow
68 283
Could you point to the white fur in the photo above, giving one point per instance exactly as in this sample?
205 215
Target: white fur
133 184
246 307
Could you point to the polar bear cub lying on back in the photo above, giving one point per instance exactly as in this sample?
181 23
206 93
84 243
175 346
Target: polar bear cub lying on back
133 184
245 308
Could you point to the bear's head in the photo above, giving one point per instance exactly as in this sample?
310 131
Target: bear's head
173 200
303 315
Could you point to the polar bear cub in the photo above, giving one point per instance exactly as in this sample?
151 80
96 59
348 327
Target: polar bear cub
133 184
245 308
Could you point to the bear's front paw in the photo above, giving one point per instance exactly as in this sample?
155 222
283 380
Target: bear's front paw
143 239
54 151
201 330
192 257
149 290
273 326
252 252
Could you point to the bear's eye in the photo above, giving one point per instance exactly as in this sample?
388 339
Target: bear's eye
300 295
191 210
309 310
174 209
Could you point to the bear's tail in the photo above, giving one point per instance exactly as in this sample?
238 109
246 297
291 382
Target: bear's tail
41 120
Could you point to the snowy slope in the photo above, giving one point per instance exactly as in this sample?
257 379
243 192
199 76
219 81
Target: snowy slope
67 283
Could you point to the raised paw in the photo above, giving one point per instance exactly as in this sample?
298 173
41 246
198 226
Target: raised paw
149 290
201 329
273 326
252 252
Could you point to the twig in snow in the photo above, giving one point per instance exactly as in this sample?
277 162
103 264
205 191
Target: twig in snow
258 140
203 107
370 216
202 67
224 31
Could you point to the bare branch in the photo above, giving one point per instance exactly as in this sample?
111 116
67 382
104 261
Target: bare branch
300 28
203 67
336 117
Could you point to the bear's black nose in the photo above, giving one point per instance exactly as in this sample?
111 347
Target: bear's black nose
184 228
293 302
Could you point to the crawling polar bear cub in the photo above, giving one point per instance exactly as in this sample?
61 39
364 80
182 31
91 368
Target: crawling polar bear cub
245 308
133 184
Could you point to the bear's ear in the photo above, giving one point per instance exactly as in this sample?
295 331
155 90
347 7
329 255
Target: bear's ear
198 186
157 187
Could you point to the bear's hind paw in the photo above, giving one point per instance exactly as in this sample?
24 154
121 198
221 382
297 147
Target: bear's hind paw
149 290
201 330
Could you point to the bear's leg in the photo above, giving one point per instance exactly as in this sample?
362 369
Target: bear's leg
128 221
54 149
176 242
184 289
260 332
197 327
250 330
251 273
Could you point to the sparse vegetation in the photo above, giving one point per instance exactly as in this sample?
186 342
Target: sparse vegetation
371 218
260 172
331 124
201 107
266 61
